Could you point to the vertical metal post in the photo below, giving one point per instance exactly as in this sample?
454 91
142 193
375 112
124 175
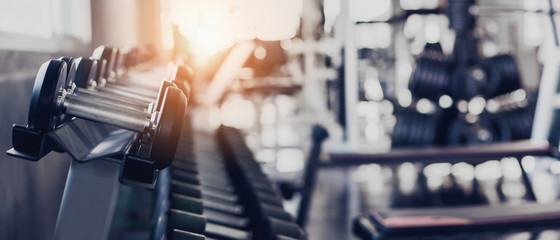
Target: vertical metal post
548 86
319 134
89 201
350 76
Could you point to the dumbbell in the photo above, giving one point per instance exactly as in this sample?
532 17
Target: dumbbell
184 235
80 70
83 65
215 211
219 224
414 129
255 185
506 68
50 100
185 176
488 129
195 223
431 76
198 224
113 69
269 220
204 178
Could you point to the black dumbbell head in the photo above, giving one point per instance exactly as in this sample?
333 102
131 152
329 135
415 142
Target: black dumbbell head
71 69
50 81
110 55
86 72
184 235
162 88
169 128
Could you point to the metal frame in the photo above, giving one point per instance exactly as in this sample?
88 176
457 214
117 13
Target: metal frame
103 158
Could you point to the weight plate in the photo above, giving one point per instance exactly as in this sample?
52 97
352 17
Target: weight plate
460 133
49 83
429 130
493 79
71 68
169 127
509 74
101 69
85 72
184 86
108 54
415 129
162 88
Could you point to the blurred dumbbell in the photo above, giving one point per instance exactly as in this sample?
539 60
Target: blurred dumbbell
506 67
414 129
488 129
111 77
196 223
228 215
431 76
50 100
269 219
204 216
79 70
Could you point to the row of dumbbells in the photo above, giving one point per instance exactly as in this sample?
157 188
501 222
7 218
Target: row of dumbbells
257 190
108 88
200 197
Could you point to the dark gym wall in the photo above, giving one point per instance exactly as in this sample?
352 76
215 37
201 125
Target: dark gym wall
31 191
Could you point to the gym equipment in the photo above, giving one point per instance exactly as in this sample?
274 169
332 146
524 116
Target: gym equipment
414 129
461 76
89 68
111 78
50 100
112 139
199 166
431 77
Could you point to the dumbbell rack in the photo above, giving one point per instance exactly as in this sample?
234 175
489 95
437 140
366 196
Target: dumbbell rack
101 159
215 189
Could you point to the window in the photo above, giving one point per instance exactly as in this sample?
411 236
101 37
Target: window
45 25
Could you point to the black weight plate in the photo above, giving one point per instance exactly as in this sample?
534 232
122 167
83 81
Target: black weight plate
413 83
101 68
417 131
167 134
429 130
493 79
397 130
119 63
400 138
497 126
71 69
49 83
108 54
86 72
460 133
507 69
184 86
162 88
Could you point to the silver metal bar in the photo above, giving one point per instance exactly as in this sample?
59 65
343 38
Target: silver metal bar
127 94
133 120
117 98
111 99
134 89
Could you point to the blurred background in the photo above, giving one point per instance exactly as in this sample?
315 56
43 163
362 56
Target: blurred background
379 75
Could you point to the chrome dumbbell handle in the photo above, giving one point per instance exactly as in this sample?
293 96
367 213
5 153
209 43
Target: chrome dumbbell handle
134 120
